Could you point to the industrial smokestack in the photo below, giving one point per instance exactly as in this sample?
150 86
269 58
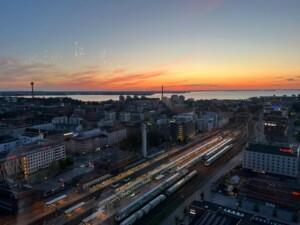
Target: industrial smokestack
144 140
32 89
162 92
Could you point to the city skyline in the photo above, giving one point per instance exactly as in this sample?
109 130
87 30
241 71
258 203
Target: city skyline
138 45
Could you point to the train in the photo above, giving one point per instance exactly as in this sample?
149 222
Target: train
143 211
132 219
54 200
95 181
172 181
91 217
195 158
216 156
148 196
69 211
143 204
217 148
180 183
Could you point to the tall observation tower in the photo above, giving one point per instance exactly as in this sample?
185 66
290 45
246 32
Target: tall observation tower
32 89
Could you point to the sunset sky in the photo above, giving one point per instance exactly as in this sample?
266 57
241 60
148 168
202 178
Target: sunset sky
143 44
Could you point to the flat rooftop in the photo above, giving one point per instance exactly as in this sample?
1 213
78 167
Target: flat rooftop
21 151
273 149
6 139
278 193
30 134
208 213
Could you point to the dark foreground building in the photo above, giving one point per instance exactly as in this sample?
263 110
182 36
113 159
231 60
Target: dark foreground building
15 199
207 213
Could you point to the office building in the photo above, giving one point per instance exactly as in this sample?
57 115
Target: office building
40 156
279 160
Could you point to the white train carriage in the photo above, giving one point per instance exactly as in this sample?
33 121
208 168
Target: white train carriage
55 200
139 202
212 159
181 183
217 148
143 211
69 211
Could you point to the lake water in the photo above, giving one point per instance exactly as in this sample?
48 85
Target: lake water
195 95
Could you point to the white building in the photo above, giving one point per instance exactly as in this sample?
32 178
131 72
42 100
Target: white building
272 159
44 126
67 123
190 116
125 116
41 156
116 135
163 121
110 116
207 121
91 140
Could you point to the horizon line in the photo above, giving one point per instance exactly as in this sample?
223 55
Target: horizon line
147 91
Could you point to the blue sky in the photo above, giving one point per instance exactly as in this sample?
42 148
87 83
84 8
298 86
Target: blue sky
179 38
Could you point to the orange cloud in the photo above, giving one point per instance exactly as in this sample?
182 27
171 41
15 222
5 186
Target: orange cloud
16 74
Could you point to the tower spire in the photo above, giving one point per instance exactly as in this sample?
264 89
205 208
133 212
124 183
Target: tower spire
32 89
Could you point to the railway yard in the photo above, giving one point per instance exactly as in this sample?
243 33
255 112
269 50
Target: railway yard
141 190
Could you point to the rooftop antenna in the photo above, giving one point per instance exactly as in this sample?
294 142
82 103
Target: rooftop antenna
32 89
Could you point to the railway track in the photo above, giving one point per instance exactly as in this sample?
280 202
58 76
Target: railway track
171 203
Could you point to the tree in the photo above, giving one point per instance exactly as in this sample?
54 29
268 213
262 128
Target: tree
240 203
69 161
256 207
176 220
295 217
202 196
275 212
132 143
298 136
297 123
64 163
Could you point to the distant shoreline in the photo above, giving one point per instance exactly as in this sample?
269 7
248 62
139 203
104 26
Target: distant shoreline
145 93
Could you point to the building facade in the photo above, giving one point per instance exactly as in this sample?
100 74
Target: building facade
92 140
182 131
28 160
10 167
41 157
116 135
272 159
